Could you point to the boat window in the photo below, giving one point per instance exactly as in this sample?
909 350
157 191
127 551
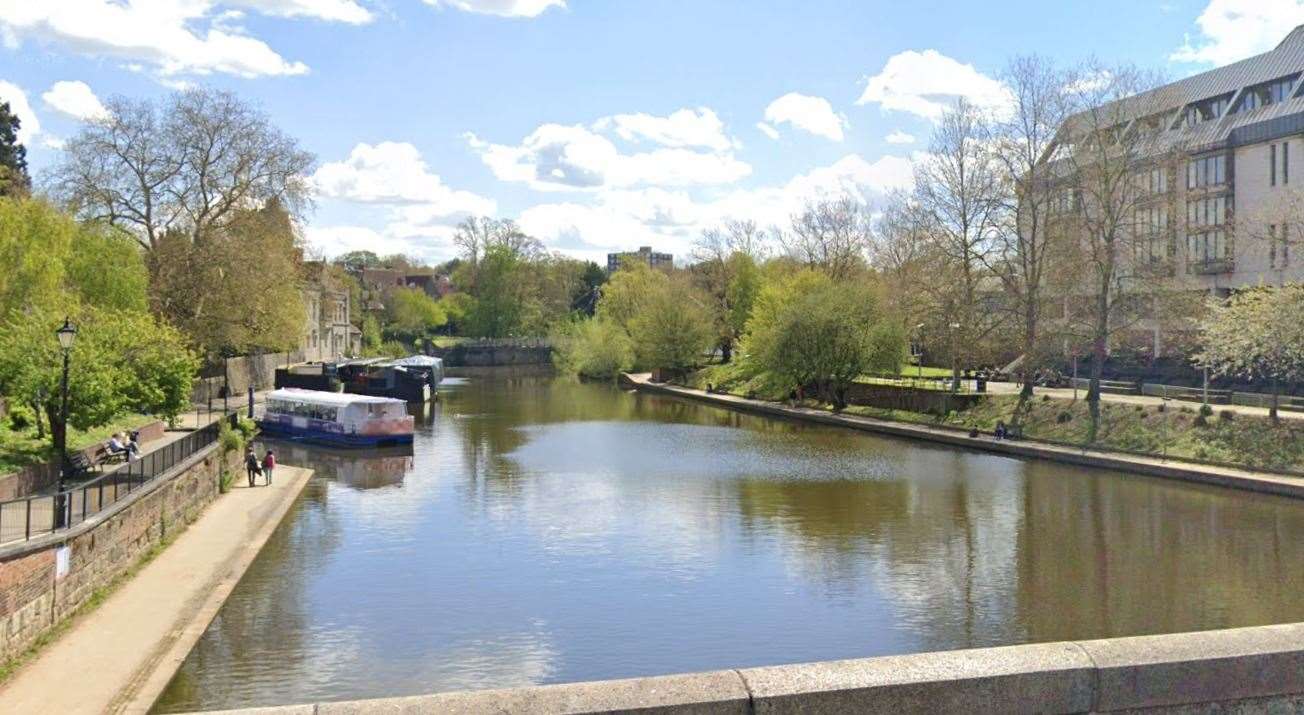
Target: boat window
301 409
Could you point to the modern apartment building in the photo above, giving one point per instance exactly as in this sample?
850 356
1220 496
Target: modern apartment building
1225 192
644 254
1216 185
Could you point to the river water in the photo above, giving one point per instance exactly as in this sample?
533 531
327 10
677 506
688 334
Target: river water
545 531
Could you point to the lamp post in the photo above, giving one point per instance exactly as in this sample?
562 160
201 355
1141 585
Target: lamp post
67 335
955 360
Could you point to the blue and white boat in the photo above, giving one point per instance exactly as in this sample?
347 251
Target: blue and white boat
336 418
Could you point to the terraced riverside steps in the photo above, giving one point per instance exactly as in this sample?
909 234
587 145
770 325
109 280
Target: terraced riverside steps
118 657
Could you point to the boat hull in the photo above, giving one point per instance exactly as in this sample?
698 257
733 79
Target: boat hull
331 439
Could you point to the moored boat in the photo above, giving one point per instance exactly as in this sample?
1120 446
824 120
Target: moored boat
337 419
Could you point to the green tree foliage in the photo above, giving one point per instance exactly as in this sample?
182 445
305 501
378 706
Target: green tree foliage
107 268
236 291
358 260
1256 334
371 335
121 361
14 180
124 358
499 294
625 294
591 279
811 331
592 348
672 327
34 242
410 314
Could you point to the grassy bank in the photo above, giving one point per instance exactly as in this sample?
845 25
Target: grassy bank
20 447
1171 429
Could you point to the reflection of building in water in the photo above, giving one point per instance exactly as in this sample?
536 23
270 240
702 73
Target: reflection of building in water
369 469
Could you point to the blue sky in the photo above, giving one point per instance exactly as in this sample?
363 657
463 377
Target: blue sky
598 124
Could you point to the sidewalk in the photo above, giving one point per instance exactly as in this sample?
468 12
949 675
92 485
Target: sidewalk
119 657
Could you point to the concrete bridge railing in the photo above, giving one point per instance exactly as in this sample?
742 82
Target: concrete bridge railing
1236 670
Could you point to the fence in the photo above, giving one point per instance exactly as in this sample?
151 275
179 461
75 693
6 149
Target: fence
30 517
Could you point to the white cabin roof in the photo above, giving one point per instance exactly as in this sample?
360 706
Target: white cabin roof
320 397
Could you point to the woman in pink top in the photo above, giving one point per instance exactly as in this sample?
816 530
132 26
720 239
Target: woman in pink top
269 463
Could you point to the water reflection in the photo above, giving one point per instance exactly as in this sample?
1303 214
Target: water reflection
544 531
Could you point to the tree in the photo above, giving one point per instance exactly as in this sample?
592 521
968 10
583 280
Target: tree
814 332
1099 151
671 328
189 165
107 269
591 280
411 314
832 235
121 362
358 260
499 300
237 291
1256 334
14 180
592 348
624 295
35 239
1027 242
960 189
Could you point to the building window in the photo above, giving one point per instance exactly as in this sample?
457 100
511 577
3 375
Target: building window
1285 162
1272 165
1210 211
1207 247
1153 181
1153 244
1206 171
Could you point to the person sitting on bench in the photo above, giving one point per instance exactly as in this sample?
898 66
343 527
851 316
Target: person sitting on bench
119 448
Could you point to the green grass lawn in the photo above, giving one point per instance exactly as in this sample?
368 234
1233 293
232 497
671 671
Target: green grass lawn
20 448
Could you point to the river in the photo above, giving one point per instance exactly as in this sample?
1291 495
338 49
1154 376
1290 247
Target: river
544 531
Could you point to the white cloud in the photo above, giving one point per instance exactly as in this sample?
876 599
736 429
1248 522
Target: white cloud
924 83
393 173
900 137
813 114
672 219
75 99
29 125
502 8
768 130
685 128
560 157
1232 30
331 241
52 142
170 37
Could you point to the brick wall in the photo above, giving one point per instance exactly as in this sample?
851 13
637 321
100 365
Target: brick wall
33 599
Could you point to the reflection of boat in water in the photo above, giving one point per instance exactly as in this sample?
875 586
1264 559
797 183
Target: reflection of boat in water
338 419
378 467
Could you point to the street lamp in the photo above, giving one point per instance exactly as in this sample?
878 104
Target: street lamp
955 360
67 335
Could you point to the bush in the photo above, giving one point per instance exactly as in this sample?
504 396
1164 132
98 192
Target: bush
1064 417
1161 407
1045 398
21 417
1227 415
596 348
1206 411
1201 420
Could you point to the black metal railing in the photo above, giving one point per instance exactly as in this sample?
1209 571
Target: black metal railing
33 516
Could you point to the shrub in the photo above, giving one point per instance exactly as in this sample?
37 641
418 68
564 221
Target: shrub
1161 407
1140 408
595 348
21 417
1201 420
1045 398
1227 415
1206 411
1064 417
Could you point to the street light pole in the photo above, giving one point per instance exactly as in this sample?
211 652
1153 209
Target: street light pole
66 335
955 360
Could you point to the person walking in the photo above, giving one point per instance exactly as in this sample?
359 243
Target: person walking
269 464
251 464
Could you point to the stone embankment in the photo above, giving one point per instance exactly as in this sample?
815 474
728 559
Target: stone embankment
1256 481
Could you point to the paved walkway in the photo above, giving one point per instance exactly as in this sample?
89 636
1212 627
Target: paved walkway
119 657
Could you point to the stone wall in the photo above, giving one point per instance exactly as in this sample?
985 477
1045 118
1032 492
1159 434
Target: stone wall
913 399
35 594
493 354
241 373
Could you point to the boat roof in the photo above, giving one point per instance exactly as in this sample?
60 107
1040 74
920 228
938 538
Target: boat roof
417 361
321 397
